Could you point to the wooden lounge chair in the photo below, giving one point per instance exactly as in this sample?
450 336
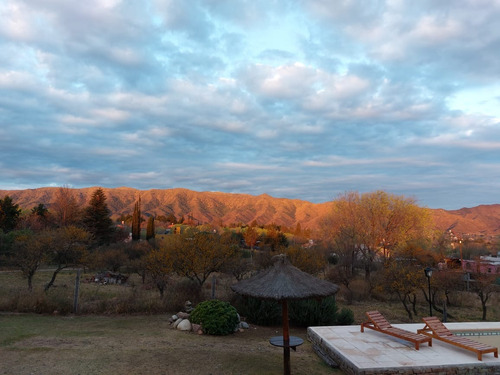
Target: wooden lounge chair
435 329
378 323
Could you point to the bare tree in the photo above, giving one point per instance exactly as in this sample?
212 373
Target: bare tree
66 209
484 286
69 249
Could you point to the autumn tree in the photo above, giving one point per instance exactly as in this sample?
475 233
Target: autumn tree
404 279
97 218
69 249
250 236
9 214
65 209
310 260
238 266
30 250
111 257
158 264
150 229
374 224
136 221
197 255
136 252
275 239
342 230
403 274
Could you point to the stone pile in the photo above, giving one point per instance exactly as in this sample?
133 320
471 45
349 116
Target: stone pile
181 321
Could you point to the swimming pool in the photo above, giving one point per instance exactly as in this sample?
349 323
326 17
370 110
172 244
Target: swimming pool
490 336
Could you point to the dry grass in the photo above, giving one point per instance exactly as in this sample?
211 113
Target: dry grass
464 307
94 298
35 344
144 344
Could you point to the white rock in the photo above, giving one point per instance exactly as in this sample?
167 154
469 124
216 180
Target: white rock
184 325
176 323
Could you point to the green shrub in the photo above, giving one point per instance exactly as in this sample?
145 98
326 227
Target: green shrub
311 312
216 317
260 312
302 313
345 317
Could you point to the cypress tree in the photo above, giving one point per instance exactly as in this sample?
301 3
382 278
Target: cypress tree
136 221
150 230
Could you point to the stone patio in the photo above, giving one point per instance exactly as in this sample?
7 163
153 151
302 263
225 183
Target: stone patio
372 352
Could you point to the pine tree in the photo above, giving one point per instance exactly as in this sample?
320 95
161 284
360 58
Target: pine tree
150 230
97 218
9 214
136 221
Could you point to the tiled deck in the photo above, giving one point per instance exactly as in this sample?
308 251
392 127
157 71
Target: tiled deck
372 352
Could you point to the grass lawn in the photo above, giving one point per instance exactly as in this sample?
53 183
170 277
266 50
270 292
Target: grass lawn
39 344
111 337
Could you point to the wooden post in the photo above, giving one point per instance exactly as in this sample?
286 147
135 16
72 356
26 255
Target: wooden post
286 338
77 290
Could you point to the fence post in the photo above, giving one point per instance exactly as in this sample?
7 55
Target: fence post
77 290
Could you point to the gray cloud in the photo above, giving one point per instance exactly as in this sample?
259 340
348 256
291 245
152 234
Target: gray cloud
294 99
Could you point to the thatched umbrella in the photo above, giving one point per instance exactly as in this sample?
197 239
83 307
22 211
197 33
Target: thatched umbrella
283 282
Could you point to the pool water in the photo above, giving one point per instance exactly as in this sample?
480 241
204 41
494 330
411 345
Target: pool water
486 337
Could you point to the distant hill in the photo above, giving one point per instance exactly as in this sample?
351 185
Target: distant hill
215 207
483 219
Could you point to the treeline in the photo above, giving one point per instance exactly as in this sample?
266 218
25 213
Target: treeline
381 245
67 235
375 245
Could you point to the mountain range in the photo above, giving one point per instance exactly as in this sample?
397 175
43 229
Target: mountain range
216 207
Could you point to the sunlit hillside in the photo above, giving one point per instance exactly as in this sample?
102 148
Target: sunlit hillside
216 207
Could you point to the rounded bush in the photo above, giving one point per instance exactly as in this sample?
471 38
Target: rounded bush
345 317
216 317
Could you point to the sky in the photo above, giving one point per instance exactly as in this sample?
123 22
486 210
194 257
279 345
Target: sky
299 99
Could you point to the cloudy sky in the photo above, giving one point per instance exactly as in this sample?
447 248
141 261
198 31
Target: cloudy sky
298 99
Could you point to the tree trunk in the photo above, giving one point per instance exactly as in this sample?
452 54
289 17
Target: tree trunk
414 303
161 288
367 272
403 298
30 281
484 299
54 275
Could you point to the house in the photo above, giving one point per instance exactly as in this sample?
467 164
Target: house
485 265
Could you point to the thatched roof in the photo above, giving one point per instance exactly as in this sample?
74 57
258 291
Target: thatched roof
282 281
